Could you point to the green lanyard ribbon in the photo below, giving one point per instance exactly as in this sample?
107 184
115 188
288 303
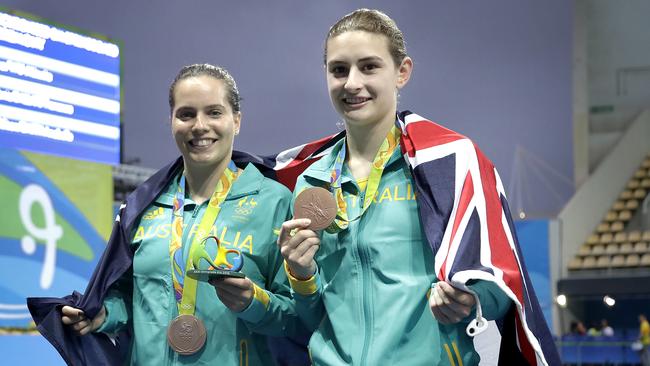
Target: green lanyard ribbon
185 287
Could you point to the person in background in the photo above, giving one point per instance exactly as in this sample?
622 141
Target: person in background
644 338
593 330
578 328
606 329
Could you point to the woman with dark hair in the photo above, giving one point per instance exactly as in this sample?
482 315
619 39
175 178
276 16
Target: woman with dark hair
175 319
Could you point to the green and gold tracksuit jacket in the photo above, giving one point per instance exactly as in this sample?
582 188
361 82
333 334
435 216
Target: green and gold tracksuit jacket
249 220
368 302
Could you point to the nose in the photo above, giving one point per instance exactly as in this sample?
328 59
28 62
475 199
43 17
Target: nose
354 81
201 123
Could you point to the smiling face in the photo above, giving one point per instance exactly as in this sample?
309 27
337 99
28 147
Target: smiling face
363 79
203 122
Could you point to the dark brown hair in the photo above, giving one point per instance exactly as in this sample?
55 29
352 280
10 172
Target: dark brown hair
216 72
372 21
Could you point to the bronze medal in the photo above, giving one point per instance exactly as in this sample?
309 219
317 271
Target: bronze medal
318 205
186 334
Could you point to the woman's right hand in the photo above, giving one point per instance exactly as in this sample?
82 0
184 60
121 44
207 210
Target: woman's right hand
76 319
298 246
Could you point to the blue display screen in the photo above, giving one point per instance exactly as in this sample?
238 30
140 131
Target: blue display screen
59 91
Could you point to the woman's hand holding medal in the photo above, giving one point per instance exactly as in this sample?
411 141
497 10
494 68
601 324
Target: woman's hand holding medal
314 209
235 293
299 249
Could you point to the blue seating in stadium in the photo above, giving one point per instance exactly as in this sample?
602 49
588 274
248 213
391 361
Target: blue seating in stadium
601 350
630 355
607 350
570 351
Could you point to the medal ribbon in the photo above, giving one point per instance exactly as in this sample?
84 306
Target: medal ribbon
185 287
383 155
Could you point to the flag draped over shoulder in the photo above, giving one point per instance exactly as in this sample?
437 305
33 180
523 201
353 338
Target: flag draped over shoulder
468 225
463 210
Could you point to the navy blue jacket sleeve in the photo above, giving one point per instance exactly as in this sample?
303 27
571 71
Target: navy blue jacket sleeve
97 348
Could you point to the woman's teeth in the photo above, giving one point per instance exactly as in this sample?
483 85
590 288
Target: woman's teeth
355 100
201 142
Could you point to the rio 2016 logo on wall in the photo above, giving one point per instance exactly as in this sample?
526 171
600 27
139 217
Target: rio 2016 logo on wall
55 220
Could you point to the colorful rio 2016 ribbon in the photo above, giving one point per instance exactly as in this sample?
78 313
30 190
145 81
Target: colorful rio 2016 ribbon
386 150
185 287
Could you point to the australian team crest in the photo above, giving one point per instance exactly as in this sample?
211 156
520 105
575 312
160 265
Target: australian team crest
245 207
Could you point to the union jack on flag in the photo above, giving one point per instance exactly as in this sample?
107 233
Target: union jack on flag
468 225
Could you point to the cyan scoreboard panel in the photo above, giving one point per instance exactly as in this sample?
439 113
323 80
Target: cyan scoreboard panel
59 91
534 239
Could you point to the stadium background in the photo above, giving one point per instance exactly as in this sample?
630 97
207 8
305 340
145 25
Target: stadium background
551 91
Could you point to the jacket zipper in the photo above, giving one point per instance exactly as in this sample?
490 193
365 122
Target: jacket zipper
367 289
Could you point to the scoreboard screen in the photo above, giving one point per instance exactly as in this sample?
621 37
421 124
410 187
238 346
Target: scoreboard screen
59 90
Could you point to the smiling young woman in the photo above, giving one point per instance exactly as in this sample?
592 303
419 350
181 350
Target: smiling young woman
204 125
363 80
173 318
369 284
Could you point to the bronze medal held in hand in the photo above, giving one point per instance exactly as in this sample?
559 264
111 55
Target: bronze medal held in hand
186 334
316 204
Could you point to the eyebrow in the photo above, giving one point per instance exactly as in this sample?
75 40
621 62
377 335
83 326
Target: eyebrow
215 106
219 106
372 58
365 59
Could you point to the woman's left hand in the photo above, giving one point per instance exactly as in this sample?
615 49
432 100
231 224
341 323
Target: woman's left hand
235 293
450 305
